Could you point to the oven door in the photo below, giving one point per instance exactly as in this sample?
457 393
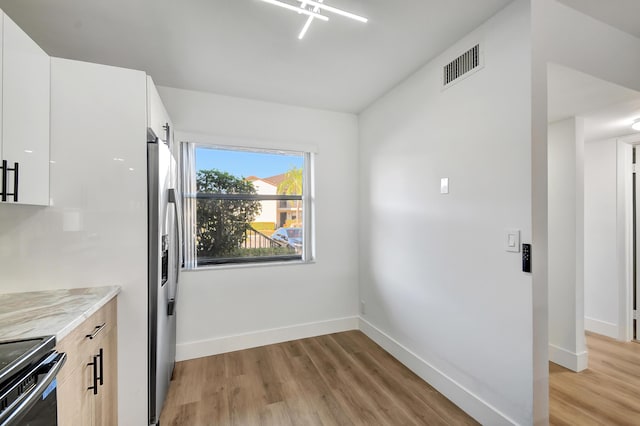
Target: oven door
33 394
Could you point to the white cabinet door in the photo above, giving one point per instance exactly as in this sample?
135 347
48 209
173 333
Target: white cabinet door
25 113
1 43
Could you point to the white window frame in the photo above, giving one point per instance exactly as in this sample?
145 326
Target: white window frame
308 202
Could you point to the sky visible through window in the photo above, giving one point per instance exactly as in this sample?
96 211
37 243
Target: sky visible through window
245 164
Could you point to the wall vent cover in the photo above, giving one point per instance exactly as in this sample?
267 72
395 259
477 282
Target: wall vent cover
463 66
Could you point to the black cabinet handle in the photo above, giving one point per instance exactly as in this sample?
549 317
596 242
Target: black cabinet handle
101 356
96 331
95 375
15 182
5 175
4 181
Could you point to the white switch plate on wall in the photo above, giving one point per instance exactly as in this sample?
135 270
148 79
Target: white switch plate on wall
444 185
512 240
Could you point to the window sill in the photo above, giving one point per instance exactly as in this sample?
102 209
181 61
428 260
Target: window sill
250 265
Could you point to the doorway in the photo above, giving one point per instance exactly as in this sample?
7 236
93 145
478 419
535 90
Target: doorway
634 244
602 294
630 185
593 156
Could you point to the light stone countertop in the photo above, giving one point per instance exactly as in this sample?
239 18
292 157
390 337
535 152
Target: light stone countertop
52 312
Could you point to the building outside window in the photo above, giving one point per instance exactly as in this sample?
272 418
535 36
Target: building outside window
283 213
245 205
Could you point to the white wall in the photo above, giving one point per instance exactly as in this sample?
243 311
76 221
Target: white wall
600 245
444 296
94 233
539 214
226 309
567 345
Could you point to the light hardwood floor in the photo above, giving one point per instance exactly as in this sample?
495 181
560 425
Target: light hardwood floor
338 379
607 393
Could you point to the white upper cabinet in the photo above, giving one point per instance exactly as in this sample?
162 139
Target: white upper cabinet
26 85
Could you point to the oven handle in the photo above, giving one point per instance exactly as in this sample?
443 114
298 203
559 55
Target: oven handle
14 414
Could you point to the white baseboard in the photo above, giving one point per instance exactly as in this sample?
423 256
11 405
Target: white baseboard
573 361
601 327
459 395
202 348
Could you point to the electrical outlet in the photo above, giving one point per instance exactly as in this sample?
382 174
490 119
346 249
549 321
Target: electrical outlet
363 307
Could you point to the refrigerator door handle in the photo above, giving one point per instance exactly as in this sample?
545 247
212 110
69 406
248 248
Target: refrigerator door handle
174 199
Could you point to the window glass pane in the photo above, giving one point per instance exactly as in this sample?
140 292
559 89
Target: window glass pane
224 234
264 169
251 229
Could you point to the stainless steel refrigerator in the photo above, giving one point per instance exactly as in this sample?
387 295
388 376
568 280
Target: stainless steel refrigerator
164 268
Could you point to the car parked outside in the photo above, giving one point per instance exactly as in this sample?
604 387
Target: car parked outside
290 237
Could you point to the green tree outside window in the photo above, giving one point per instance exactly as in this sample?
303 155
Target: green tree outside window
222 224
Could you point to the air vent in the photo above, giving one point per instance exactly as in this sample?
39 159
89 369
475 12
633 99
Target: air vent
462 66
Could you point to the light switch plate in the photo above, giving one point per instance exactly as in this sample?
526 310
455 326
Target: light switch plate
444 185
512 240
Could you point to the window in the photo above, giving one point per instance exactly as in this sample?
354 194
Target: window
244 206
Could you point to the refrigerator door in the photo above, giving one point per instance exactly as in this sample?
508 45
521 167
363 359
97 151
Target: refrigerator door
162 279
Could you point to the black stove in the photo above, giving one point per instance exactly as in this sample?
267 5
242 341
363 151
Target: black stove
28 383
14 353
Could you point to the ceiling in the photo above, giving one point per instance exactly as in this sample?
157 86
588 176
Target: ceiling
622 14
608 109
250 49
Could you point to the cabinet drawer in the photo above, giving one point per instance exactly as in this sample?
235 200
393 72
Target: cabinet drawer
79 348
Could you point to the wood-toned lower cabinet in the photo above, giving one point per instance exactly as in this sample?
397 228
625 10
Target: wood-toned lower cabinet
106 405
87 384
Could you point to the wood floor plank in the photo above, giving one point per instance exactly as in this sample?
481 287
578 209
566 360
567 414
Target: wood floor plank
276 414
232 362
302 407
186 414
307 394
427 394
293 348
271 379
355 401
604 394
216 409
409 402
383 402
342 379
347 342
566 413
246 399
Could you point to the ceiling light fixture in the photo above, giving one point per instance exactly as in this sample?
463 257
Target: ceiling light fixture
636 125
312 9
309 20
335 10
296 9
